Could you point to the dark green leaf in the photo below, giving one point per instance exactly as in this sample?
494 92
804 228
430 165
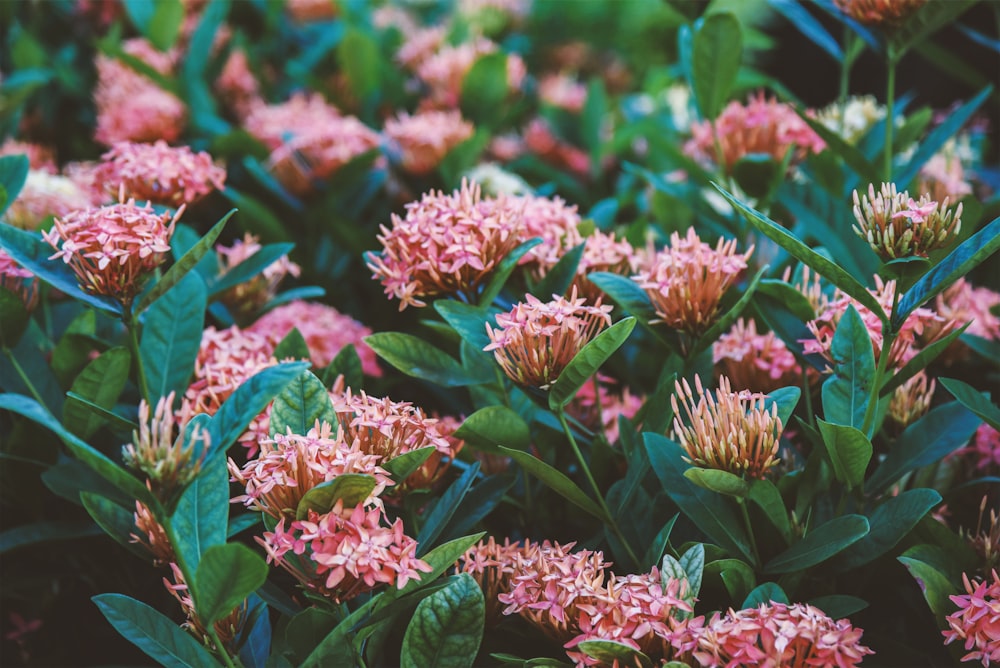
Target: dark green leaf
249 268
14 317
936 587
556 481
352 488
592 119
717 49
957 264
824 267
402 466
586 363
301 405
492 426
419 359
737 577
153 632
765 594
116 521
838 606
611 652
820 544
926 20
481 500
46 532
202 514
101 382
626 293
13 174
468 320
768 498
256 216
920 361
105 414
358 54
440 559
292 346
171 337
180 268
226 576
558 279
504 270
849 450
890 523
348 364
484 90
722 482
845 393
241 523
787 398
445 508
447 627
974 400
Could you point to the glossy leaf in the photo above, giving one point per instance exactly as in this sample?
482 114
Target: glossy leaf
226 576
768 498
202 513
346 363
974 400
838 606
586 362
890 523
793 300
558 279
556 481
446 627
693 563
849 450
765 594
445 508
504 269
401 466
845 393
352 488
935 586
466 319
493 426
820 544
808 25
613 653
301 405
292 346
717 48
626 294
101 382
115 521
419 359
722 482
171 337
13 174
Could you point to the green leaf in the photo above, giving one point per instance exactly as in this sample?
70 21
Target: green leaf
31 252
292 346
765 594
626 293
45 532
226 576
445 508
304 402
153 632
558 279
944 429
358 55
838 606
440 559
352 488
402 466
592 118
171 337
849 450
101 382
824 267
974 400
100 463
737 577
484 90
693 563
586 363
346 363
790 298
717 49
492 426
504 270
920 361
447 627
202 514
845 393
165 24
249 401
768 498
13 174
611 652
968 255
419 359
468 320
890 523
820 544
722 482
726 320
712 514
179 269
249 268
926 20
116 521
256 216
936 588
14 317
808 25
787 398
556 481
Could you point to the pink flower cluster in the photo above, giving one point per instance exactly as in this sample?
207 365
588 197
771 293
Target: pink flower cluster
984 449
605 412
251 295
759 126
879 12
444 71
112 249
159 173
752 361
425 139
18 280
46 194
962 303
977 620
562 91
445 244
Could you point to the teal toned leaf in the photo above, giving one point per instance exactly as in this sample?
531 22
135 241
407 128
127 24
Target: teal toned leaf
626 293
849 450
402 466
226 576
845 393
693 563
503 271
586 362
943 430
171 337
492 426
765 594
256 634
975 401
101 382
202 514
352 488
115 520
824 267
446 627
13 174
768 498
555 480
890 523
610 652
445 508
153 632
968 255
558 279
820 544
479 502
717 49
712 514
468 320
301 405
715 480
787 399
808 25
419 359
346 363
838 606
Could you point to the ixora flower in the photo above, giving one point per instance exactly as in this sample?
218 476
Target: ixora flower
426 138
169 460
112 249
229 629
896 225
603 412
159 173
977 620
911 400
943 176
18 280
444 71
46 194
251 295
752 361
776 634
879 12
536 340
759 126
686 281
445 244
730 431
962 302
984 450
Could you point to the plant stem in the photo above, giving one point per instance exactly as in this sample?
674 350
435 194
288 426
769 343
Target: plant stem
883 362
24 377
133 340
746 523
890 111
609 520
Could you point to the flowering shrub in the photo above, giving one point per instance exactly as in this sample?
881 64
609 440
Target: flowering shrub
499 333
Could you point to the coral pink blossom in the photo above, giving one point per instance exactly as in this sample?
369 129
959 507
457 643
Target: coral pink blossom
752 361
112 249
759 126
943 177
325 330
445 244
776 634
977 620
426 138
237 86
44 195
540 139
18 280
40 157
984 449
444 71
536 340
879 12
686 280
350 551
159 173
273 124
492 565
962 303
420 45
561 90
604 413
251 295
